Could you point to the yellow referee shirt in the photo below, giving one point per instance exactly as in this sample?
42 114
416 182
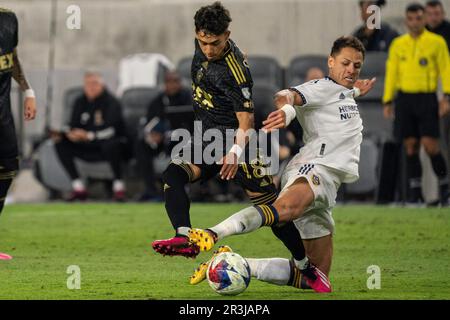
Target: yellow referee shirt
415 64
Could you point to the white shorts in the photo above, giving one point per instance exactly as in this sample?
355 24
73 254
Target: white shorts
317 220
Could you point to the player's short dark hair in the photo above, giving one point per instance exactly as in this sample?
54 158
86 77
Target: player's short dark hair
213 19
415 7
347 42
434 3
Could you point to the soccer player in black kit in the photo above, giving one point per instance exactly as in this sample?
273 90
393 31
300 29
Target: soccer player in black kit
10 67
222 94
222 86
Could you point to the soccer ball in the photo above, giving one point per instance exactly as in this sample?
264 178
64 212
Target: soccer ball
228 274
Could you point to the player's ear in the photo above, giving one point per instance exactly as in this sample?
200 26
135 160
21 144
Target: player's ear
330 61
227 34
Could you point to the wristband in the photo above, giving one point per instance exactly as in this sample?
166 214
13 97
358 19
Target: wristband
356 92
290 113
237 150
29 93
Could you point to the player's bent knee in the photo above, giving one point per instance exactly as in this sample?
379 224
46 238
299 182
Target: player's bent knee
177 174
287 211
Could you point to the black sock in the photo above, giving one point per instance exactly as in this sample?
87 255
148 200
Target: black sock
176 199
439 166
414 170
440 169
4 186
291 238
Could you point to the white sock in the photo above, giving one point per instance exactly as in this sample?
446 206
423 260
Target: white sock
272 270
302 263
78 185
118 185
183 231
244 221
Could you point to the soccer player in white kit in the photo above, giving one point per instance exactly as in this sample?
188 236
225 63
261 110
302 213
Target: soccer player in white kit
332 127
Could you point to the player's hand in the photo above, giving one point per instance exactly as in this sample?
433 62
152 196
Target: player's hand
444 107
29 110
275 120
388 111
77 135
365 85
229 166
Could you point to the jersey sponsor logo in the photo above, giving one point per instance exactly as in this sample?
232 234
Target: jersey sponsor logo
342 96
348 111
315 180
6 61
203 98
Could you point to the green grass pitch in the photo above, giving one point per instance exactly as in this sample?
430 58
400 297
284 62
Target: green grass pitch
111 245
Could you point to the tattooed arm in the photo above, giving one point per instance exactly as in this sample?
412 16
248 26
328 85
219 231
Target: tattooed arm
30 100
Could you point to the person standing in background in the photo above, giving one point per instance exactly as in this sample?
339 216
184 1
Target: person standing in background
415 63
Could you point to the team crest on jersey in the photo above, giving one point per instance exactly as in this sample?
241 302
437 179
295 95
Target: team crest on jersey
199 75
246 93
315 180
423 62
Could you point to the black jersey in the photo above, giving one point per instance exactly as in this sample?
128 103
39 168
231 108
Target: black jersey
221 88
8 42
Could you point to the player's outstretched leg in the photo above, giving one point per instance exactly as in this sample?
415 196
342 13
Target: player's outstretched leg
200 273
176 176
244 221
281 271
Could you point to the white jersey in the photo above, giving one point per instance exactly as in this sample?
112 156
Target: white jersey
331 126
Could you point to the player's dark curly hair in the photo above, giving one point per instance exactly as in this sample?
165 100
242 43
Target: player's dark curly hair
213 19
347 42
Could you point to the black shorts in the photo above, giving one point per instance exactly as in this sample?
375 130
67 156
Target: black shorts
250 176
417 115
8 140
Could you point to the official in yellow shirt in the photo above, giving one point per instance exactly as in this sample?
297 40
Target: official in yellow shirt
416 61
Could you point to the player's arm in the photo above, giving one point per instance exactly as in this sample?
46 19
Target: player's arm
284 101
230 163
19 77
391 80
443 62
237 85
363 86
